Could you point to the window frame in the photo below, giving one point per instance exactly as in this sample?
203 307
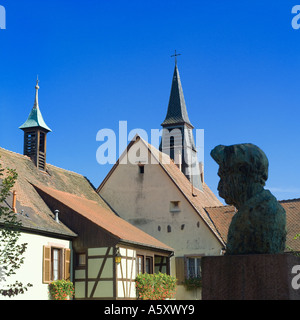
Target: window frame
175 206
80 256
144 263
194 257
148 263
59 263
139 264
63 263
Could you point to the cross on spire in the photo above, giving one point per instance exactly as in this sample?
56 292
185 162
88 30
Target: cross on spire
176 55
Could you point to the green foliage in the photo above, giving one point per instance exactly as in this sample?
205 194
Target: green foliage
193 283
11 251
61 290
157 286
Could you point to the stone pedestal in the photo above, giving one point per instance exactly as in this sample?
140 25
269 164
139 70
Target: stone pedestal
250 277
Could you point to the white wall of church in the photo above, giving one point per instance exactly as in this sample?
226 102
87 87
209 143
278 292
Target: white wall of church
145 201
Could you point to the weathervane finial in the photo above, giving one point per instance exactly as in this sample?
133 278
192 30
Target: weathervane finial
36 101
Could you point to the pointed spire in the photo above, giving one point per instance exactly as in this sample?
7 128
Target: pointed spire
177 112
35 118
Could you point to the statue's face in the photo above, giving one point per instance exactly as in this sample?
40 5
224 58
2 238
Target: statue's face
222 186
228 187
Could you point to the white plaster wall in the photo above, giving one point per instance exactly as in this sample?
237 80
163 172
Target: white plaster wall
32 269
144 201
126 271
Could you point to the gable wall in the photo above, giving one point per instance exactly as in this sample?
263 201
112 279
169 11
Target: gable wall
144 201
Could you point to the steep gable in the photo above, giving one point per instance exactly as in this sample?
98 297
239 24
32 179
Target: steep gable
197 199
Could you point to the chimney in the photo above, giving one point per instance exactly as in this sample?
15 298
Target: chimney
14 201
56 216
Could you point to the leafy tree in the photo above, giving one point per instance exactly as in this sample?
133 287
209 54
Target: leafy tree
11 252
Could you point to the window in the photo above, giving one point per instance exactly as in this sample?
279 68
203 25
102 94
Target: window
56 266
149 265
42 142
174 206
141 168
172 141
193 267
144 264
140 264
81 260
187 267
56 263
30 143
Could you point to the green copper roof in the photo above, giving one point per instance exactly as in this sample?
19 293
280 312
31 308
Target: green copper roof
35 118
177 112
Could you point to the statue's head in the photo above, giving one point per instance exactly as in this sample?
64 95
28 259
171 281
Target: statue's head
243 169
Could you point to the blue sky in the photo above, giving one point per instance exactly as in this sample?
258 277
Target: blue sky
100 62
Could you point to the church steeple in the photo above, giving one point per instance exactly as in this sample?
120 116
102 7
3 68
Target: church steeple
177 137
177 112
35 131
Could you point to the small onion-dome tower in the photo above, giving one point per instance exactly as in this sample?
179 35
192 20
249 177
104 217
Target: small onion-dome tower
35 132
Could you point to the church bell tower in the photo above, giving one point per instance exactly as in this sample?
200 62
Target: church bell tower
177 137
35 133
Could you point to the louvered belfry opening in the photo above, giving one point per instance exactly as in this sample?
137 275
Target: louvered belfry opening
30 143
42 151
35 147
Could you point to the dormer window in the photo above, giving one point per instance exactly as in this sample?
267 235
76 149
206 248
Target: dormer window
175 206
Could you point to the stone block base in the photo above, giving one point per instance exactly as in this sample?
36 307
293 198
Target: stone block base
250 277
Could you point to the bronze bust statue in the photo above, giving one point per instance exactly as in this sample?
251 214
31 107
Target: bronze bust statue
259 226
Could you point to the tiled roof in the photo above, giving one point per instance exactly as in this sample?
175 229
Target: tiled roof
72 190
104 218
221 217
36 214
292 209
